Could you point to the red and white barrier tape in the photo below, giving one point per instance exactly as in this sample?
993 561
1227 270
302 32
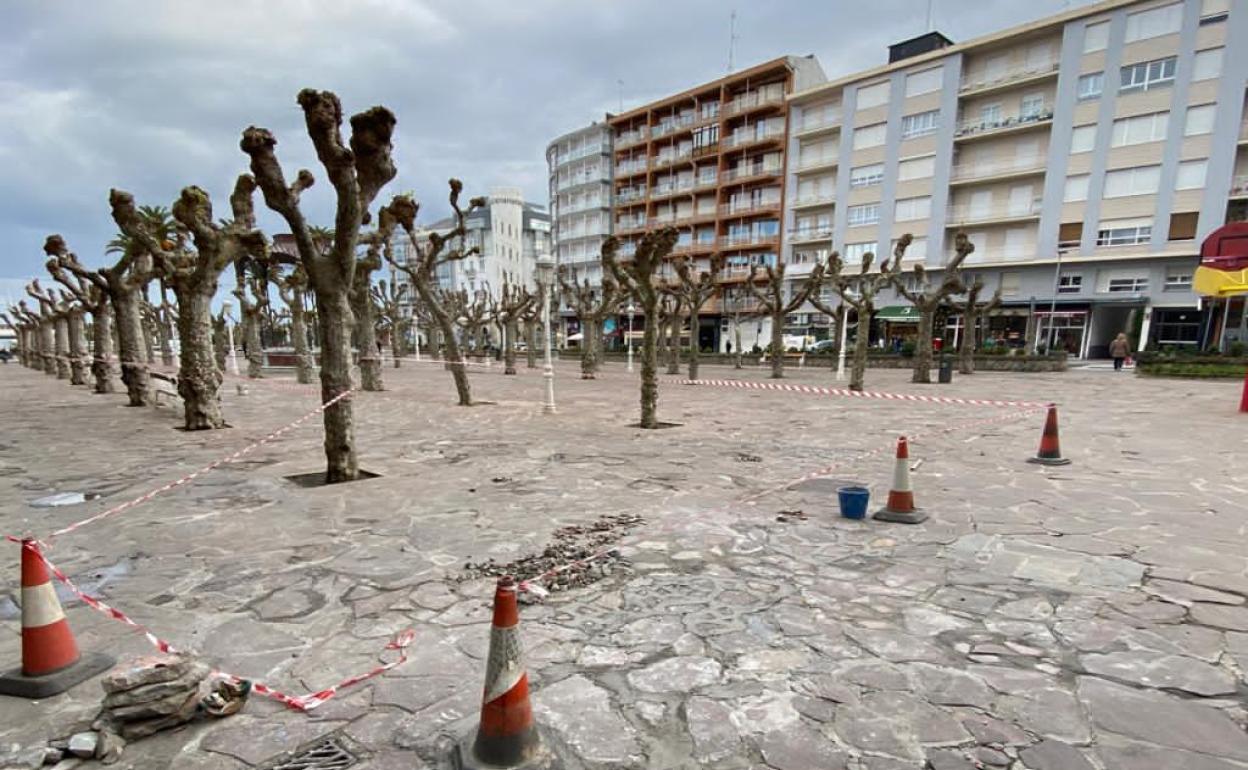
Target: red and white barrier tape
209 467
298 702
821 391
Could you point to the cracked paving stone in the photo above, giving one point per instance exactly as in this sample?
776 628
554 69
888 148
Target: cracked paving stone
676 674
800 749
1050 754
1139 756
1222 616
1187 594
949 686
254 740
1160 671
710 725
893 645
660 630
949 759
580 712
1048 711
1163 720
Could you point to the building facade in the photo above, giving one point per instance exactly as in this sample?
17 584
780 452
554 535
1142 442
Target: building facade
1085 156
579 166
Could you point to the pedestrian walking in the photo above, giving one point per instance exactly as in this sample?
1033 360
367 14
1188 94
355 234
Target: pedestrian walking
1119 349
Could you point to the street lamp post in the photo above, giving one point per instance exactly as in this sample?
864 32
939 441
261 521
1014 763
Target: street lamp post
631 310
840 355
227 308
545 275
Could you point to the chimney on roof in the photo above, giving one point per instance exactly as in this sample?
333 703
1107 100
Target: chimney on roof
916 46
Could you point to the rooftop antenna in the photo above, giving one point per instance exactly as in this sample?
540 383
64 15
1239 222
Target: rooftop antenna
929 14
732 37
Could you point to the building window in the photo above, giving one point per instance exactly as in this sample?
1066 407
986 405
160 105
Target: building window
1140 129
1207 64
1083 138
1191 175
1178 279
1076 188
916 168
1091 85
1070 284
854 252
1069 234
909 209
872 95
990 114
1010 284
1124 232
869 136
1214 11
916 250
865 176
1133 285
709 110
1183 226
1031 106
1096 37
919 124
924 82
1148 75
1125 182
866 214
1154 22
1199 120
706 137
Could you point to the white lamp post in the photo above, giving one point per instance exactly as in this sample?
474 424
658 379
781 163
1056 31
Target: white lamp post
545 275
840 355
631 310
227 307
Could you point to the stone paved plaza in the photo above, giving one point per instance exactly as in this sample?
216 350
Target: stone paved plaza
1087 616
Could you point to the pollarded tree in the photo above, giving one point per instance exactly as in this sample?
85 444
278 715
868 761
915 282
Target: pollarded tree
357 174
33 324
252 273
388 303
859 292
531 316
640 278
293 289
365 334
773 302
75 328
593 305
54 329
670 319
95 301
422 264
194 277
695 287
475 311
19 330
927 296
508 307
973 311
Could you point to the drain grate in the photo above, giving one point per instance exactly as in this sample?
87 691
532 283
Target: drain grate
328 754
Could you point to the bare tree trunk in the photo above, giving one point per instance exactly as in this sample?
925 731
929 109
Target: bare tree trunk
365 334
396 343
77 349
777 347
966 346
165 333
454 358
858 371
335 320
199 379
650 369
923 349
304 365
510 332
673 344
148 327
47 345
693 344
102 355
61 333
134 374
736 361
588 352
530 348
255 347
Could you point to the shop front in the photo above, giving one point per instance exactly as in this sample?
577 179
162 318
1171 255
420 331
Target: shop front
897 325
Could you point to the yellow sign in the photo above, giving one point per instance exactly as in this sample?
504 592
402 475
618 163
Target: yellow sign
1220 283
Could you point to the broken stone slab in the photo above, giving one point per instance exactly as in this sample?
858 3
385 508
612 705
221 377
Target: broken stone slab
581 713
181 702
110 747
710 726
1220 615
800 748
1162 720
187 683
1050 754
145 670
679 674
1161 671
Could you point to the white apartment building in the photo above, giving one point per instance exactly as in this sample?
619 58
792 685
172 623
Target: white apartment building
1085 155
579 165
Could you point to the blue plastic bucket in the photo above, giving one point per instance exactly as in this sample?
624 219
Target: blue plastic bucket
853 501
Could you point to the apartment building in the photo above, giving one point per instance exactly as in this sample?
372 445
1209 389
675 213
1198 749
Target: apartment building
579 165
710 161
1085 155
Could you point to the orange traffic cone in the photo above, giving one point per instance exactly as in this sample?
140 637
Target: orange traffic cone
507 736
51 662
900 506
1243 398
1050 447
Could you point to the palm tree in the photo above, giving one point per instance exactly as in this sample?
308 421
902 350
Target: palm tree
158 221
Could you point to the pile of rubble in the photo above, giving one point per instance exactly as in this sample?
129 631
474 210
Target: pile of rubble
577 556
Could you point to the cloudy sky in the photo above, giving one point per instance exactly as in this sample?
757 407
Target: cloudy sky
152 95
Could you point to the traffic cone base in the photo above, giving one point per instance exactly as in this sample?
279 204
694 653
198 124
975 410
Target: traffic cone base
900 505
20 685
912 516
1049 460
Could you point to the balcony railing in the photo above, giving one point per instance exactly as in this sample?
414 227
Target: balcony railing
974 81
968 214
674 125
815 199
659 161
745 138
703 183
574 208
749 239
810 233
579 179
630 194
763 169
630 167
631 137
972 126
994 166
1239 186
595 149
810 125
693 247
751 100
819 160
630 224
746 207
671 188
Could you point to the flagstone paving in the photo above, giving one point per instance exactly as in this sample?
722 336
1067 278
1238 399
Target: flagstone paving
1086 616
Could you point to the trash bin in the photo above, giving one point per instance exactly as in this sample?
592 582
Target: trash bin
946 371
853 500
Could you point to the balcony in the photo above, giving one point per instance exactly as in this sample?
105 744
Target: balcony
977 127
827 160
1239 187
574 208
663 161
629 168
747 138
630 195
577 180
814 199
987 168
749 241
743 208
706 182
810 234
965 215
674 125
626 225
665 189
752 172
751 101
694 247
979 82
585 152
816 125
629 138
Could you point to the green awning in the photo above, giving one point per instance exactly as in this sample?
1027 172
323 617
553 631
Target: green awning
898 314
